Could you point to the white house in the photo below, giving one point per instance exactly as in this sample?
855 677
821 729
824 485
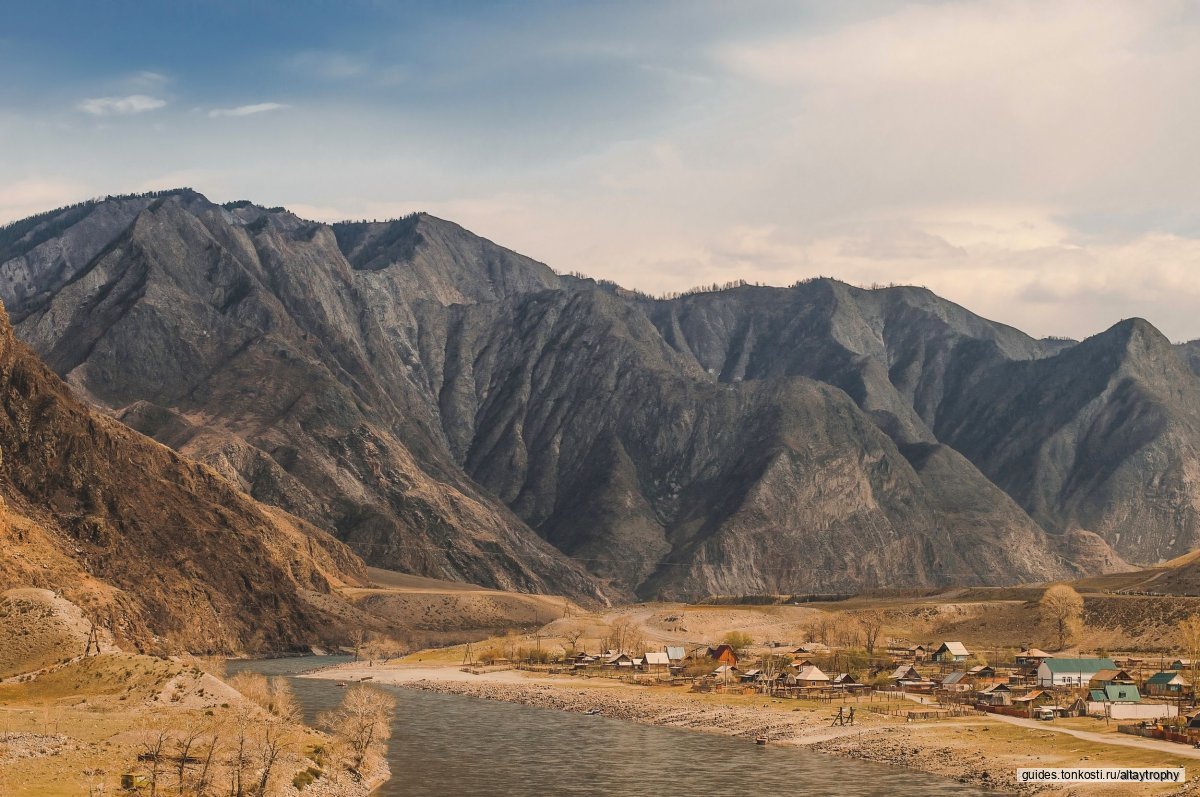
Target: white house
1071 672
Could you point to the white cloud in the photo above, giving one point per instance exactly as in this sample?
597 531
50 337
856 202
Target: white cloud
1033 160
247 110
115 106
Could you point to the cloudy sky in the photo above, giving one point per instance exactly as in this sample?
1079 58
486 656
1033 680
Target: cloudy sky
1034 161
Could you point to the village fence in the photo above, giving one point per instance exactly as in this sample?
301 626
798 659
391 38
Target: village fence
1008 711
1188 736
918 714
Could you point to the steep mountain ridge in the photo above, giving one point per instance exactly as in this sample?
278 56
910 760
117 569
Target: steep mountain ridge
434 399
181 316
1104 436
622 452
158 550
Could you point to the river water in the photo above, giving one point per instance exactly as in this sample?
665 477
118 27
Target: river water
462 746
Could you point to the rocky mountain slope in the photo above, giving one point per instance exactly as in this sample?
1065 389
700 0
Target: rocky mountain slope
453 409
245 339
159 551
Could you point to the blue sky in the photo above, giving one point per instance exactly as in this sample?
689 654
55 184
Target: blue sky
1033 161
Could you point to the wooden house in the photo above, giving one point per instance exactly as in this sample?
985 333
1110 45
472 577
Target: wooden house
1032 657
1168 684
996 695
1107 676
951 652
1037 697
811 677
723 654
727 673
955 682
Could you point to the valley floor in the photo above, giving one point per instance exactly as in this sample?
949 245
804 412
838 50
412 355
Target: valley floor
982 750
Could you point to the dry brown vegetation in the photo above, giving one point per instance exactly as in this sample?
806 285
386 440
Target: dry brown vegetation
84 722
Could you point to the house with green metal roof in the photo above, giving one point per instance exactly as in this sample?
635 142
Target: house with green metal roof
1071 672
1168 684
1115 693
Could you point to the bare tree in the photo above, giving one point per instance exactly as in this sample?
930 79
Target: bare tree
571 639
208 750
512 643
820 627
186 740
363 720
624 636
871 621
1188 633
357 637
1061 610
283 702
277 737
154 745
239 760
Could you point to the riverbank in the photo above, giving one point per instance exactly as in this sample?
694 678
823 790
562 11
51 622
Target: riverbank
976 750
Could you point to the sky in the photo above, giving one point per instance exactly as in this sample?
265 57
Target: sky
1032 161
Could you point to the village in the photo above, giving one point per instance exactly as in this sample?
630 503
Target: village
1152 698
848 665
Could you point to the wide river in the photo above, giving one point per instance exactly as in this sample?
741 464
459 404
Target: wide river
452 745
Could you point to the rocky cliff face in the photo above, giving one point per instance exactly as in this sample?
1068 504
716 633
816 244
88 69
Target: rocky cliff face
159 550
451 408
245 339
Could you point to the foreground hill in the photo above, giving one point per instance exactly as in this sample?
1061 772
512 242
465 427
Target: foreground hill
157 550
452 409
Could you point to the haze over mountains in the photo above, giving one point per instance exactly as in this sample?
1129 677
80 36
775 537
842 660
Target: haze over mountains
451 408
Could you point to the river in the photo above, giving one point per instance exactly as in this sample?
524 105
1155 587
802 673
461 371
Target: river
461 746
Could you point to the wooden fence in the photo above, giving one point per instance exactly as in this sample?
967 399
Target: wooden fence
920 714
1008 711
1188 736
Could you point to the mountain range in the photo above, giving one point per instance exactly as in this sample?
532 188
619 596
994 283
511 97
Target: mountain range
447 407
